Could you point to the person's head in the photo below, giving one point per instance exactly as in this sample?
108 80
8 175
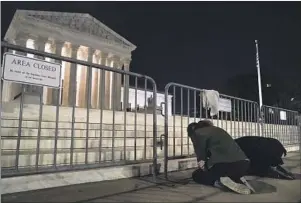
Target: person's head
190 129
204 123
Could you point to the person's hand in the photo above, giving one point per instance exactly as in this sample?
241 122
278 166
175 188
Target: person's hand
201 164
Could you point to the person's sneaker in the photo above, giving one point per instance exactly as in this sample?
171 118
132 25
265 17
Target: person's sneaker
218 184
236 187
276 172
245 182
285 173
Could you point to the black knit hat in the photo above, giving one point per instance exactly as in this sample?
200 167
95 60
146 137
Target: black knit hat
190 129
204 123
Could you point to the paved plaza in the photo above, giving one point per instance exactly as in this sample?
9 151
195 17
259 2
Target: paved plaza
180 188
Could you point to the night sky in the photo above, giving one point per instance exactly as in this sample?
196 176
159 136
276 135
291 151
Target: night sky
200 44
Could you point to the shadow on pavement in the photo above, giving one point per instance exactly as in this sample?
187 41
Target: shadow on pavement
262 187
297 176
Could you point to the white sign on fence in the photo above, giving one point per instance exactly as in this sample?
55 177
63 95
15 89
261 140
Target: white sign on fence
225 105
25 70
283 115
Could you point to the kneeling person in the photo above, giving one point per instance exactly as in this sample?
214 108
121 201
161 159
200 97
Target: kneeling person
265 155
221 161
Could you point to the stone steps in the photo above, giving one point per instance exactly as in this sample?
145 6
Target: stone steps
27 157
28 145
9 125
14 123
80 142
25 143
135 132
63 157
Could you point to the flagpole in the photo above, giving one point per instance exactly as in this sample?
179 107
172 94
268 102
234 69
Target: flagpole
261 115
258 75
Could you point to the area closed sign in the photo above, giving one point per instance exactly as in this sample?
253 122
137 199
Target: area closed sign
25 70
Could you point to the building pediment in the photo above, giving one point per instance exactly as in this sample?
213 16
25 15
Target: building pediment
79 22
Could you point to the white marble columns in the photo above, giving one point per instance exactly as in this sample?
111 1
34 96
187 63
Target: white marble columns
54 95
104 84
126 66
12 90
115 84
95 81
70 76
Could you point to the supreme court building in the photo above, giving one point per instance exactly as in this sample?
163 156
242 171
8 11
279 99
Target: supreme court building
75 35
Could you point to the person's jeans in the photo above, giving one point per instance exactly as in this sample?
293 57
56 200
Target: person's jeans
234 170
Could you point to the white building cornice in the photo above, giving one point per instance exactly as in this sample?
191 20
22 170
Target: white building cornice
78 28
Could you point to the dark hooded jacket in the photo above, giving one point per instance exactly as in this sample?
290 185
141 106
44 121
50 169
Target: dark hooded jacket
214 145
262 151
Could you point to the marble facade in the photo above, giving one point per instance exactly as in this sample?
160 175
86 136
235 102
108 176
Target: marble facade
81 37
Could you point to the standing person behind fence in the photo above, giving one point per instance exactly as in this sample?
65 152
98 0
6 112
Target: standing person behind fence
221 162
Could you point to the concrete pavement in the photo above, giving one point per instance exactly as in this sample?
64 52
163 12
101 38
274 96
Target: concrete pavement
179 188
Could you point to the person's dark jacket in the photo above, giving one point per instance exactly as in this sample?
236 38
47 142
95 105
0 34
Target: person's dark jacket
262 151
214 145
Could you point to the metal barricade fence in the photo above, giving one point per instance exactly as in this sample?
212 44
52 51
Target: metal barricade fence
88 125
281 124
84 125
240 118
